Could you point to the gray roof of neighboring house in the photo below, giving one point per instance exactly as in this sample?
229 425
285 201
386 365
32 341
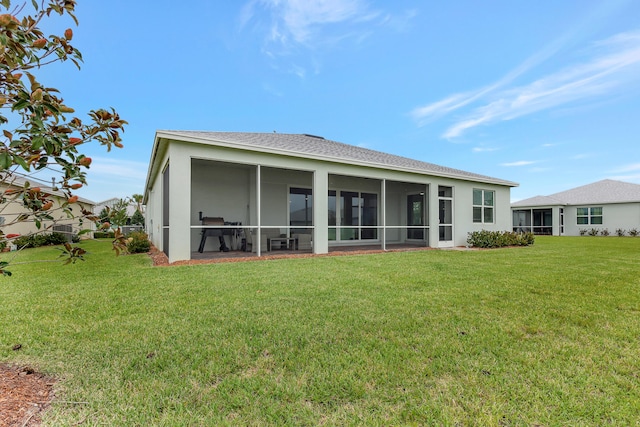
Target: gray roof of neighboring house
601 192
19 181
314 147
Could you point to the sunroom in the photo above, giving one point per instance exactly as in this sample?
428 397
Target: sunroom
360 211
217 193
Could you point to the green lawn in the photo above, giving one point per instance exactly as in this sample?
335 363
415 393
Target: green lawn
543 335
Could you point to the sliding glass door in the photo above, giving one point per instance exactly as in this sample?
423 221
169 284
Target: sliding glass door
415 216
353 215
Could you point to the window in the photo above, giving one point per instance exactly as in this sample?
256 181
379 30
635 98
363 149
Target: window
590 216
352 215
483 201
300 209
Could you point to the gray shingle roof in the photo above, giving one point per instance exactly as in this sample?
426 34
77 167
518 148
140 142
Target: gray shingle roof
539 201
19 181
309 146
601 192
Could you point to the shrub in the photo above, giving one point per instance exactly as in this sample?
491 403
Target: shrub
37 240
620 232
104 235
634 232
138 242
499 239
593 232
583 231
604 232
55 239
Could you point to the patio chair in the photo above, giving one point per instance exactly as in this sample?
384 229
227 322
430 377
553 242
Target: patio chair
303 241
265 235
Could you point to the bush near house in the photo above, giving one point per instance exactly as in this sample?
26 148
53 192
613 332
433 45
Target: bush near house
499 239
138 242
620 232
104 234
37 240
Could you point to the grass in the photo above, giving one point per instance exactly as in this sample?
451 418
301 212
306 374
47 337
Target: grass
544 335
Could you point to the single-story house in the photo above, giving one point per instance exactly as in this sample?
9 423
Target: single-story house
13 207
304 191
604 205
110 203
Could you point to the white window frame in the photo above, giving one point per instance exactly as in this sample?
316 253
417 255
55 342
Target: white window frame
483 206
590 215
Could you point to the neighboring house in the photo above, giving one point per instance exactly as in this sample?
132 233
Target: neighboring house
13 207
605 204
292 185
131 207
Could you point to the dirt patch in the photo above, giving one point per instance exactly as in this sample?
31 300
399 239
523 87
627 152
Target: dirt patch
160 259
24 395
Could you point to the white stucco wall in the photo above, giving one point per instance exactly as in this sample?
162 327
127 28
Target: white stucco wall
199 185
153 214
623 215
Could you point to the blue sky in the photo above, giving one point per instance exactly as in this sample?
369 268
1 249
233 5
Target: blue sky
542 93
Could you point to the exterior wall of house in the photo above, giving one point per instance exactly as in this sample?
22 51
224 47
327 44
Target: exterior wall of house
12 209
624 216
464 214
223 182
153 214
620 215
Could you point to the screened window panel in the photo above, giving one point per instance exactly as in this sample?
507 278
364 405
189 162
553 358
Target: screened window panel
488 198
477 197
488 215
477 214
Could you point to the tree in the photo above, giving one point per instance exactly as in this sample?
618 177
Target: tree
103 216
118 214
39 131
137 198
137 218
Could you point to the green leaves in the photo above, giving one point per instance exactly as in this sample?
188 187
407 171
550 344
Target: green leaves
3 270
6 161
71 254
41 132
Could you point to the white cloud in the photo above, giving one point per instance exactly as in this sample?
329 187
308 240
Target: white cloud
518 163
288 25
400 22
427 113
483 149
614 66
635 178
109 177
628 168
118 169
301 21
